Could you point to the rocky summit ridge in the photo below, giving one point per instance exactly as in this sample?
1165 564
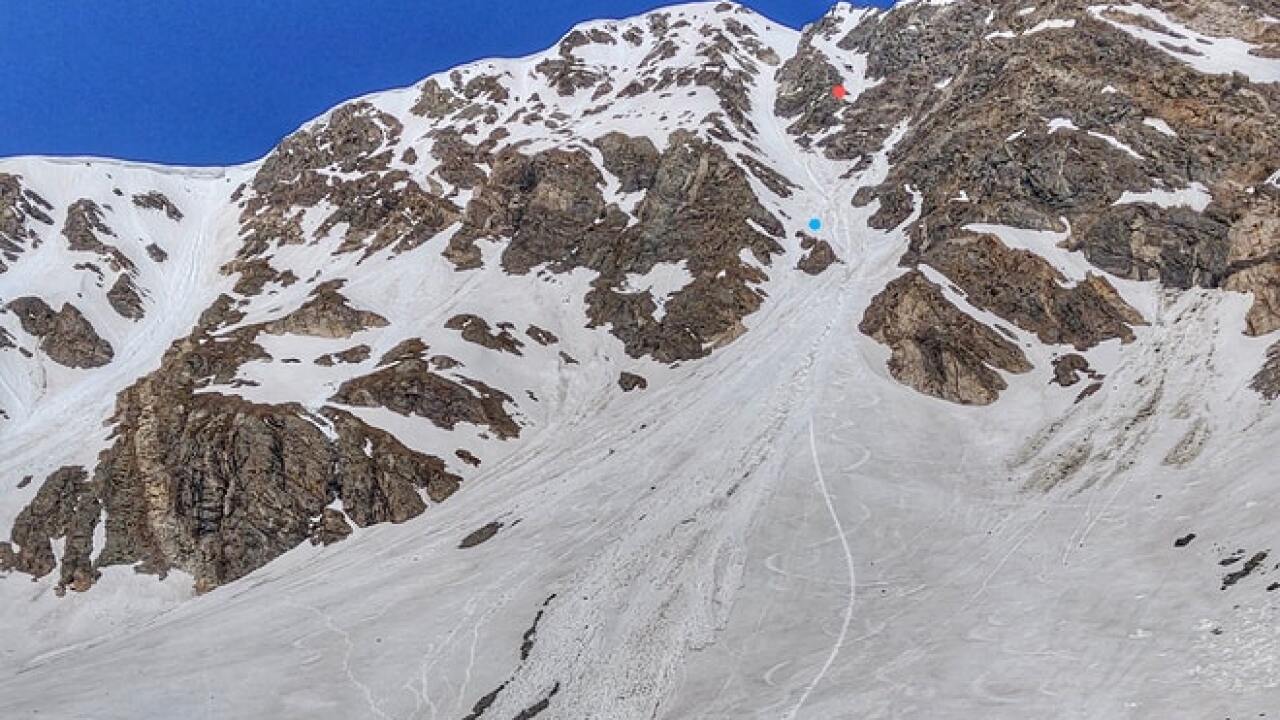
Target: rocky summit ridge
1064 214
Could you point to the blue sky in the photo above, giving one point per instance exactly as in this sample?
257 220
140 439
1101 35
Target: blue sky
220 82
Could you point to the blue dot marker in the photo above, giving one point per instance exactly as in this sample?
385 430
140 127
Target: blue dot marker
815 224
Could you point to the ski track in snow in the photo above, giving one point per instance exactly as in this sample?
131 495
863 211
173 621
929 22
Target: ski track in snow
849 566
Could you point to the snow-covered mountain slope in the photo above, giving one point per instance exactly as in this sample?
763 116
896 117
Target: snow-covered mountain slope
532 391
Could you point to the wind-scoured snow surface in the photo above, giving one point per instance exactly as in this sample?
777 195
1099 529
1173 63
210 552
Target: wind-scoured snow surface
780 530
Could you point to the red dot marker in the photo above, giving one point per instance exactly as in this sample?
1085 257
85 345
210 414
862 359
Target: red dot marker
839 92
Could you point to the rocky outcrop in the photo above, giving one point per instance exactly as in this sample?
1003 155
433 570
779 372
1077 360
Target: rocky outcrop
541 336
937 349
547 204
66 337
698 209
156 200
82 229
1009 121
475 329
219 486
1267 381
818 257
332 527
409 387
345 162
66 507
633 160
1253 259
630 381
19 206
1068 368
124 298
325 314
1024 289
804 90
701 212
352 355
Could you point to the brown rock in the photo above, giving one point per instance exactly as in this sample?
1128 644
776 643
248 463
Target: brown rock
19 206
155 200
65 507
325 314
475 329
409 387
937 349
633 160
124 298
1023 288
65 336
156 253
819 257
630 381
82 228
542 337
332 527
351 356
1267 381
407 349
481 535
1067 369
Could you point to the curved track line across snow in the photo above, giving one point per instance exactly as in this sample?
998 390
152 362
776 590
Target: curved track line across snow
853 582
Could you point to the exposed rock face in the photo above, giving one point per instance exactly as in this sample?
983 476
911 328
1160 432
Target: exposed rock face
630 381
65 336
352 355
698 208
172 499
541 336
409 387
331 528
124 298
702 212
1267 381
65 508
547 204
1024 289
155 200
818 258
18 207
82 229
1032 134
214 484
804 89
326 314
1253 259
634 161
475 329
379 206
1067 369
937 349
